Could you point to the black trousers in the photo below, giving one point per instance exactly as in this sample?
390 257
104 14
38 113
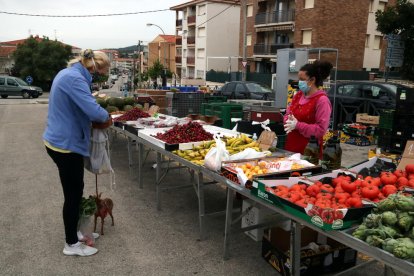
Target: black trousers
71 171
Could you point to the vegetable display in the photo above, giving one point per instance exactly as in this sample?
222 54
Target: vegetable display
391 226
190 132
132 115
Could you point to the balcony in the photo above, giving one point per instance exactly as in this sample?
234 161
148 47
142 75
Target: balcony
178 41
269 49
179 23
178 59
190 60
190 40
276 17
191 19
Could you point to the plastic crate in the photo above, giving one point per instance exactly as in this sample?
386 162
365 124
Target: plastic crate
215 99
386 120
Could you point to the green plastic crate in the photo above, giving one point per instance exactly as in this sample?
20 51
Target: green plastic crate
386 120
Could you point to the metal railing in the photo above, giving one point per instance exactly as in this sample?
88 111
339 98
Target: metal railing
177 59
270 49
274 17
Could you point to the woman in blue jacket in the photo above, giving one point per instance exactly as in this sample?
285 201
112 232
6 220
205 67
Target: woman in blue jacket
72 109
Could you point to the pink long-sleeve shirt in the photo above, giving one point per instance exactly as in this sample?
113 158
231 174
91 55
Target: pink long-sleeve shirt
322 116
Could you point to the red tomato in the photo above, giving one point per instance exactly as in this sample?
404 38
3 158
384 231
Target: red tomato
399 173
323 204
357 193
327 188
411 183
292 197
409 169
325 196
313 190
388 178
402 182
370 192
354 202
342 195
381 196
302 203
369 180
349 187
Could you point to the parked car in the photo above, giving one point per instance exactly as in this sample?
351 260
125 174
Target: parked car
246 90
352 97
12 86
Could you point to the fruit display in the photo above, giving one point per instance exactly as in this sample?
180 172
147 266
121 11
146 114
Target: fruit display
190 132
391 226
132 115
233 145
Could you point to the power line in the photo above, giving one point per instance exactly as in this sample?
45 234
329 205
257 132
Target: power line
85 15
232 5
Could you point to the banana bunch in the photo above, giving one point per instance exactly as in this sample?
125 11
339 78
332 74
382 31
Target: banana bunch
234 145
197 154
240 143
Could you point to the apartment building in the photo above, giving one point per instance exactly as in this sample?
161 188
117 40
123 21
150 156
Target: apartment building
124 63
348 26
163 49
208 38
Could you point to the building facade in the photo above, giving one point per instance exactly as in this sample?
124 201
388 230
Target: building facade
208 35
162 48
348 26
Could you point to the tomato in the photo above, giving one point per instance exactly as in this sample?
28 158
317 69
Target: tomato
402 182
409 169
410 183
349 187
399 173
313 190
318 183
388 178
292 197
370 192
323 204
371 180
354 202
338 188
327 188
301 203
357 193
336 181
295 174
325 196
342 195
297 187
381 196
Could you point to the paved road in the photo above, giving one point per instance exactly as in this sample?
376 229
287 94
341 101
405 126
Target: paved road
142 242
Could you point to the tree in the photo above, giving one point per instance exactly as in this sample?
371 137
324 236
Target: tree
398 19
40 59
155 70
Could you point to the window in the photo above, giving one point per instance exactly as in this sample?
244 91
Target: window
239 91
309 4
367 41
202 10
200 53
306 37
200 74
2 81
381 6
183 72
377 42
249 40
201 31
11 82
350 90
249 10
371 5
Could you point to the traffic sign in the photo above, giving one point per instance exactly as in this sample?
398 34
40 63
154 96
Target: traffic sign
395 51
29 79
391 62
244 63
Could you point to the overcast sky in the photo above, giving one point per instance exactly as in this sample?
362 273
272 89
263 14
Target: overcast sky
90 32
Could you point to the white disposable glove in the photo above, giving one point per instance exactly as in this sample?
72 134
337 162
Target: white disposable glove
290 123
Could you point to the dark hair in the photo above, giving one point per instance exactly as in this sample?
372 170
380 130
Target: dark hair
319 70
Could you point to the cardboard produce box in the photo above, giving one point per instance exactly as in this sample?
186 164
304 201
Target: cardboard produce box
407 156
332 258
364 118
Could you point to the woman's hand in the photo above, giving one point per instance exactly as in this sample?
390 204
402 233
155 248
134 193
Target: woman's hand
104 125
290 124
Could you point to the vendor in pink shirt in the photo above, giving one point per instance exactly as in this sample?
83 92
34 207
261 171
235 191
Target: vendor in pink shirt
310 110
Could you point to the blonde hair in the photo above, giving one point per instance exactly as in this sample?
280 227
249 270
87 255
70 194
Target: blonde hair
91 59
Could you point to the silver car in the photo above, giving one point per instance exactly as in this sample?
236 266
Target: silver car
12 86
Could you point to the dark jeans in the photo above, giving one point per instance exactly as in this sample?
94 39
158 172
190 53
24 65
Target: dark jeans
71 172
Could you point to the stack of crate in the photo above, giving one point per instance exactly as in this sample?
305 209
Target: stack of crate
186 103
384 131
223 110
403 128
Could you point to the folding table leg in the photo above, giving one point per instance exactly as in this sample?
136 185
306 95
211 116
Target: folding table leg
229 218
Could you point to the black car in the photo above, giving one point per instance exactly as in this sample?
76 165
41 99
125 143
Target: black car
246 90
352 97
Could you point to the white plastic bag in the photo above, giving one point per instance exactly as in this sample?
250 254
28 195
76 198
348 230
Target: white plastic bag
249 153
216 155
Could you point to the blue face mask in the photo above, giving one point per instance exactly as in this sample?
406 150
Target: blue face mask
303 86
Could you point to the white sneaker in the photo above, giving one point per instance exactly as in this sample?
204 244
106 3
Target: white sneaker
81 237
79 249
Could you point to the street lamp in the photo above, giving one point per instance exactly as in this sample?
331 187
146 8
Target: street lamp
165 55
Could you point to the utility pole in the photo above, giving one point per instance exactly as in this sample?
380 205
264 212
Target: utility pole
139 63
244 8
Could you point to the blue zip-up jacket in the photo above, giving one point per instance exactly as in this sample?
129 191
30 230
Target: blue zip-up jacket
72 108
